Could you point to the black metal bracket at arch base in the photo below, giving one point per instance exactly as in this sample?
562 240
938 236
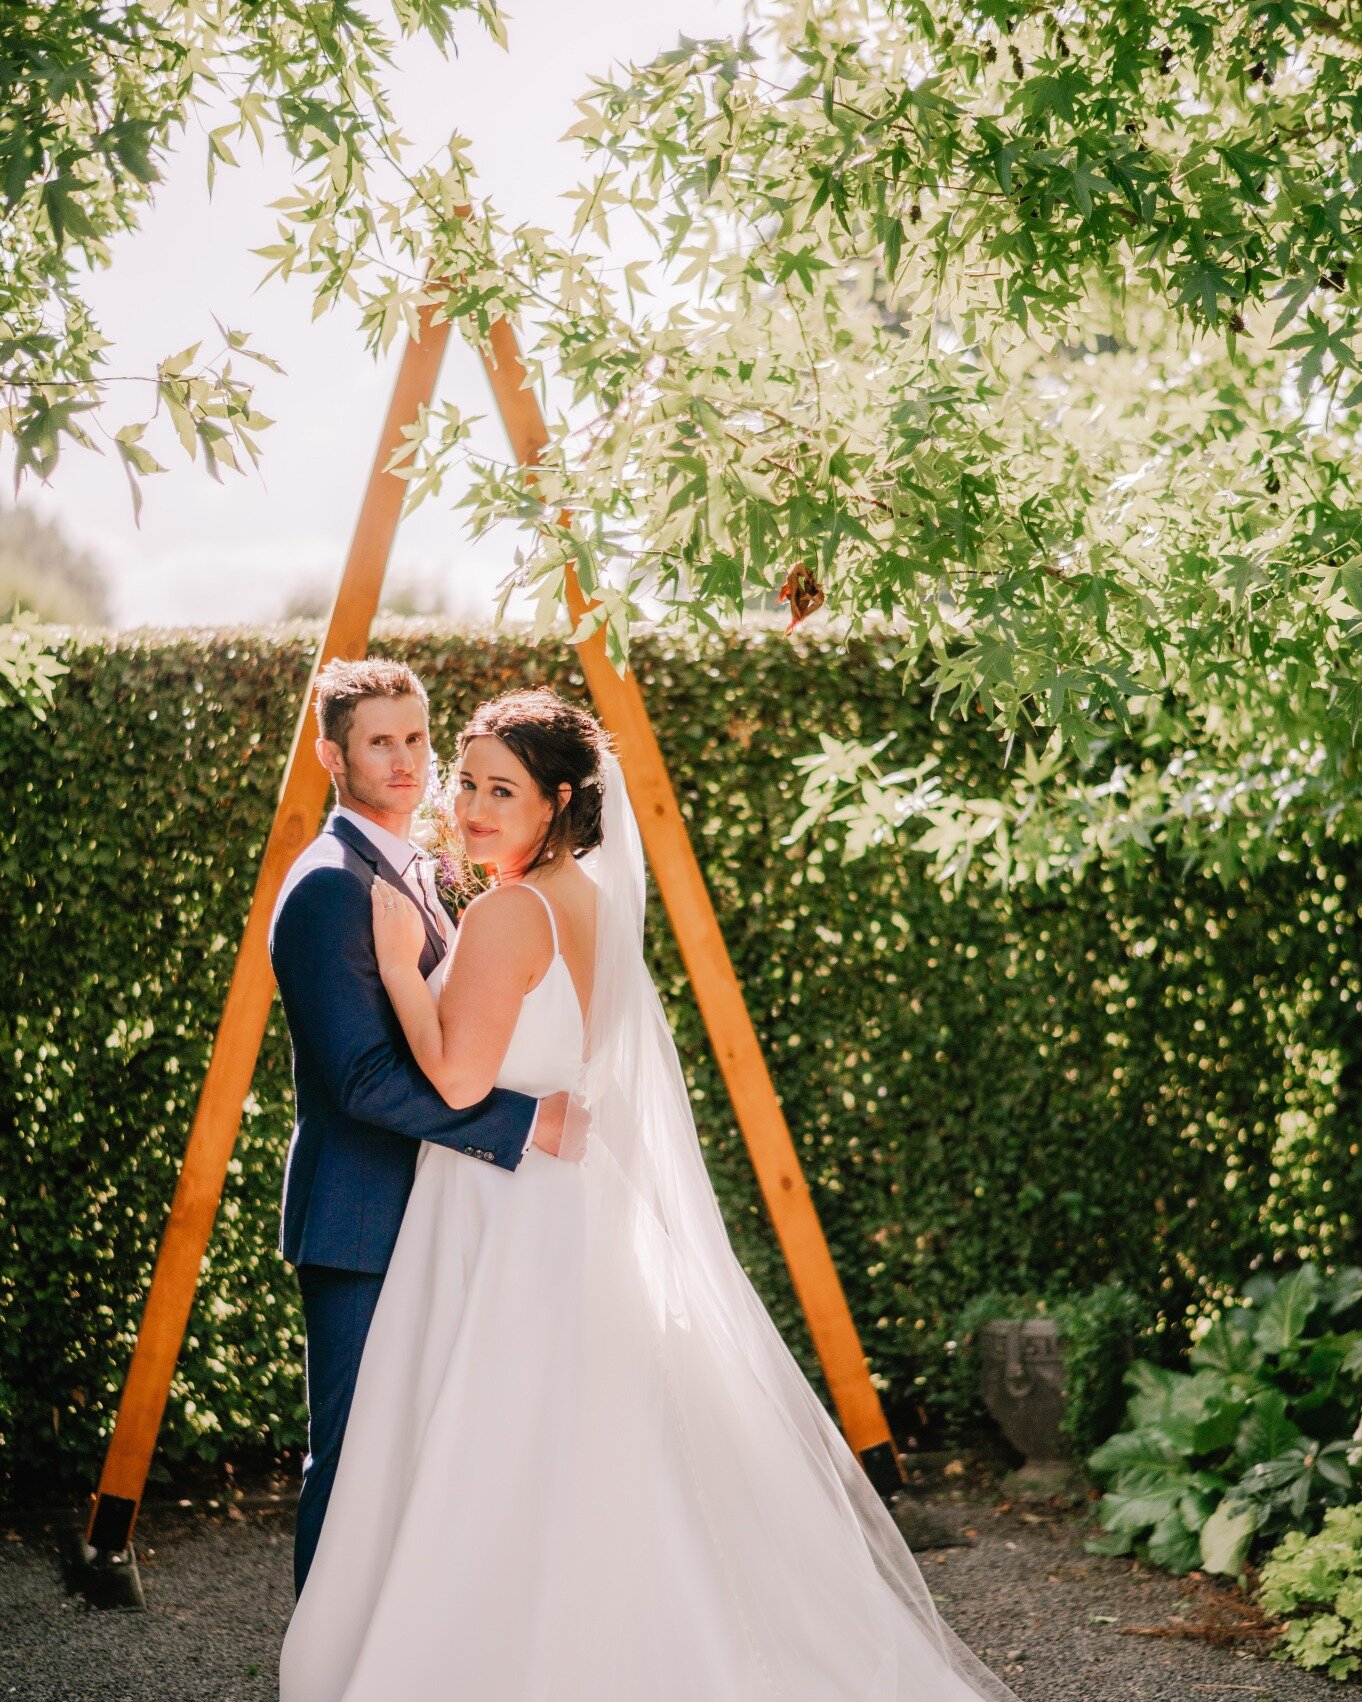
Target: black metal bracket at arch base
103 1566
881 1466
111 1527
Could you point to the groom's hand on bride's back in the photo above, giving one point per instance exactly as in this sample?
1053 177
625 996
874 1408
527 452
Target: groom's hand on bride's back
562 1126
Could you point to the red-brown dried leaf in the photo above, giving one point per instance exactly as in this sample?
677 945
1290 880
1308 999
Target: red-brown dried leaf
803 593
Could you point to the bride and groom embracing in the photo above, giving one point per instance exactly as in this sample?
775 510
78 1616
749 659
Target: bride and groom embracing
558 1451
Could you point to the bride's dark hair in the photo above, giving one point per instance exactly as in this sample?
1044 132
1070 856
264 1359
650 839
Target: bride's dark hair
558 743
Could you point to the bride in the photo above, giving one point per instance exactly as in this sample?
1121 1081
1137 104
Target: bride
581 1465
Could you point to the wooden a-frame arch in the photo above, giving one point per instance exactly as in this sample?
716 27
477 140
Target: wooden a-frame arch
620 705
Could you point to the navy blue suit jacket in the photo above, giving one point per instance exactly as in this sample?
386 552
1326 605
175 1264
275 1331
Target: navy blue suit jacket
363 1105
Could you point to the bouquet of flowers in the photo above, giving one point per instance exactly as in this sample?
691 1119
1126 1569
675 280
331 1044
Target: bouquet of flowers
435 831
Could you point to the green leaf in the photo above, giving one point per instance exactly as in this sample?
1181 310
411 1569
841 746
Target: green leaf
1110 1543
1131 1450
1267 1430
1228 1346
1173 1546
1343 1288
1283 1320
1226 1538
1219 1424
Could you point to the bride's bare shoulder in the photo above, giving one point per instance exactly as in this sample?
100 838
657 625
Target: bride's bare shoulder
510 913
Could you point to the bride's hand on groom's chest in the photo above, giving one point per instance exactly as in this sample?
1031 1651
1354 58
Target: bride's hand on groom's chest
399 929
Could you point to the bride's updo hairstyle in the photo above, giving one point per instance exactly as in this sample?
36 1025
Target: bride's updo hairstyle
558 744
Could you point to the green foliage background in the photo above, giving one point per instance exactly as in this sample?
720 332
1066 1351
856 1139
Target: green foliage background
1155 1081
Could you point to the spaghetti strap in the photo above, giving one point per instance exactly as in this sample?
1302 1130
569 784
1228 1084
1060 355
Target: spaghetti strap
553 925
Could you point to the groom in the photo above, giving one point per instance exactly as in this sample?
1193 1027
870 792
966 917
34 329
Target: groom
363 1106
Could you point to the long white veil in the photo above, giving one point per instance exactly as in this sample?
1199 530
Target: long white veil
691 1362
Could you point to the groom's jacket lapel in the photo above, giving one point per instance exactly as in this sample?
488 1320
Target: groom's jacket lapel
364 847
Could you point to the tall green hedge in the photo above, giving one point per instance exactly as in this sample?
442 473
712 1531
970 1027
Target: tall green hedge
1156 1082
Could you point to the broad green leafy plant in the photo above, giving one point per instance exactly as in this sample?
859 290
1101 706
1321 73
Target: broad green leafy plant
1257 1438
1314 1583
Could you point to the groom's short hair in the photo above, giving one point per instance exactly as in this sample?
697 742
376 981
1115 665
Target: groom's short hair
341 685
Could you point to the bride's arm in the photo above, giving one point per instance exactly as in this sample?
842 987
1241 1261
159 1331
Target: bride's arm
460 1042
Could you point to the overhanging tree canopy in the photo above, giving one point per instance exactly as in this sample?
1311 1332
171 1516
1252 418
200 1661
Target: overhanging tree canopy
1029 330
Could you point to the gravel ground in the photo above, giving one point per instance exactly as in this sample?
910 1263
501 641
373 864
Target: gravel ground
1060 1625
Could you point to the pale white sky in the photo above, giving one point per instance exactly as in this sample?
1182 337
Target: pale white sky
208 553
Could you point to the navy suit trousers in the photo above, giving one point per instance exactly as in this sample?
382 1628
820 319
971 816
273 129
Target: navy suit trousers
338 1307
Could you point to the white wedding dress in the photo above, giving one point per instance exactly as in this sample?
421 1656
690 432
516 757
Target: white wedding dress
571 1475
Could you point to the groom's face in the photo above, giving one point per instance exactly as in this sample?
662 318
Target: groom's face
383 766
